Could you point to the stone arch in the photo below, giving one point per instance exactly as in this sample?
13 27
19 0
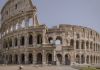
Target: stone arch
67 59
16 41
77 58
59 58
91 45
16 59
82 44
23 24
87 44
82 59
49 58
77 44
39 39
50 39
22 59
91 59
10 42
87 59
39 58
30 39
16 26
30 58
96 59
22 40
58 40
71 42
10 59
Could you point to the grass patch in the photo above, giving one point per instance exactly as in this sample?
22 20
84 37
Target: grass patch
88 68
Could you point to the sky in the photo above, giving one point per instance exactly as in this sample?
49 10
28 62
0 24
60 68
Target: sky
75 12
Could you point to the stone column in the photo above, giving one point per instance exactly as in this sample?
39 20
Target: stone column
80 44
19 60
13 59
85 59
26 40
34 58
63 39
18 41
26 58
85 47
63 58
89 47
44 57
74 44
80 58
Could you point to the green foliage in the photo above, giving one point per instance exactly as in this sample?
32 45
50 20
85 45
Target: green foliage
88 68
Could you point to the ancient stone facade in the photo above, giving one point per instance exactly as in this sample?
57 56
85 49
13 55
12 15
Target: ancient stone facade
24 41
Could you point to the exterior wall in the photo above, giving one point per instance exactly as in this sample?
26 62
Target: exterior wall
25 41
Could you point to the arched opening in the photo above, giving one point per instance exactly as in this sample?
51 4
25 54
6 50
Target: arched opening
59 58
87 59
67 59
16 59
77 44
39 58
87 45
16 27
91 59
30 39
23 24
30 58
22 59
91 45
22 41
39 39
82 45
16 42
77 58
82 59
49 58
94 59
50 39
31 22
10 42
10 59
72 42
58 40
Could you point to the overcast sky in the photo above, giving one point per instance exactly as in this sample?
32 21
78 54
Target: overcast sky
75 12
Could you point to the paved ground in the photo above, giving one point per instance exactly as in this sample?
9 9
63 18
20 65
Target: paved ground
31 67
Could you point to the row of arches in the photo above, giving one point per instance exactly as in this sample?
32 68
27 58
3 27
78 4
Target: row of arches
39 59
30 40
19 25
89 59
84 45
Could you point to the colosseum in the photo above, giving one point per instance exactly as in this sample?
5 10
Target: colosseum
23 40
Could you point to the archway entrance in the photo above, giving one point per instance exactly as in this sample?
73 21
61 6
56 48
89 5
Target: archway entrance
10 59
30 58
16 58
59 59
39 58
22 58
67 59
49 58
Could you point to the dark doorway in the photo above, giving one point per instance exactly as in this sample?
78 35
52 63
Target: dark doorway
30 57
67 59
49 58
23 59
39 58
59 58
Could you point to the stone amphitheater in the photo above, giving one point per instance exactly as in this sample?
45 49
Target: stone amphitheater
23 40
